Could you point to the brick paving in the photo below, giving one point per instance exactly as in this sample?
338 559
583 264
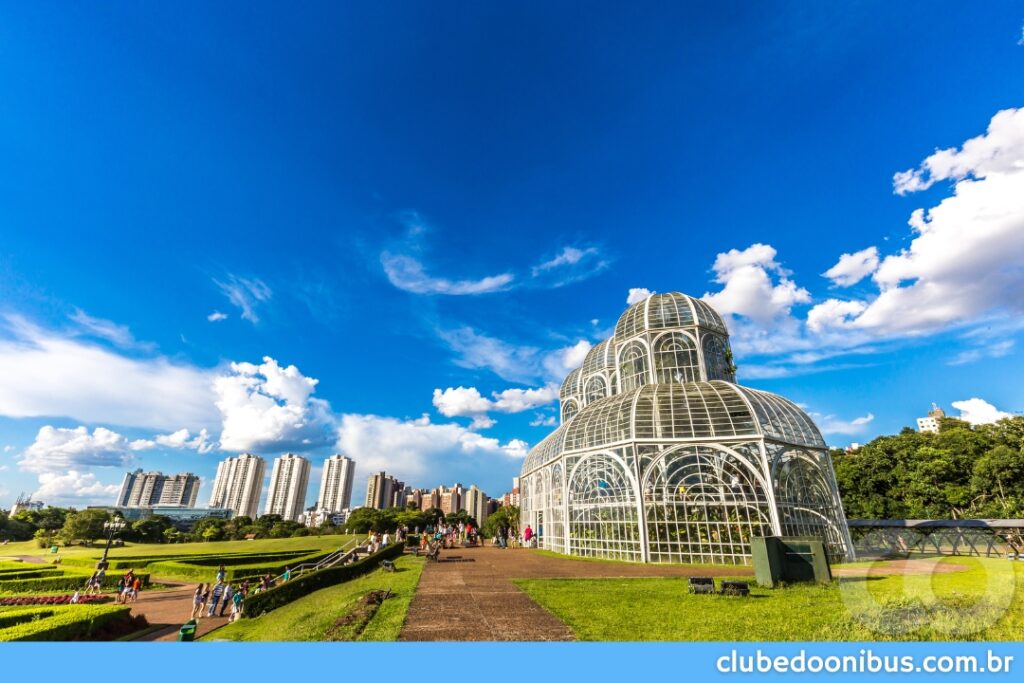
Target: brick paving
469 594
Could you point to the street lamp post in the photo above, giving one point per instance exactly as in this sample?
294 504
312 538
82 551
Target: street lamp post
111 527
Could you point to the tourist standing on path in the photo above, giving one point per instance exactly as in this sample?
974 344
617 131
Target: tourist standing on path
197 601
229 593
386 541
527 536
236 605
203 600
287 574
136 586
221 574
218 590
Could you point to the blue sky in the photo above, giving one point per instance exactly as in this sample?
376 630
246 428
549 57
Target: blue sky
390 231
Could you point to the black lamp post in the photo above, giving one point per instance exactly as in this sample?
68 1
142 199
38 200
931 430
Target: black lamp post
111 527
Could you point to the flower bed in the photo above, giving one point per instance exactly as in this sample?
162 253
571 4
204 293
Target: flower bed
52 600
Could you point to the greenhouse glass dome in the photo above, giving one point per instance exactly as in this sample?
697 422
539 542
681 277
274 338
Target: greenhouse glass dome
662 457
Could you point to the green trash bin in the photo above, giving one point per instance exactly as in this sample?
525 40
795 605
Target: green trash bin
187 633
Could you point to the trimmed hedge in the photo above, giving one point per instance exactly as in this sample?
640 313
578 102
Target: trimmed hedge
67 582
285 593
74 622
215 560
15 617
28 574
232 573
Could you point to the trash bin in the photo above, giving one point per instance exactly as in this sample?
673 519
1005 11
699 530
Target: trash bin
187 633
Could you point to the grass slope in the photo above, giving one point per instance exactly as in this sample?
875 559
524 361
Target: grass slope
263 545
312 617
947 606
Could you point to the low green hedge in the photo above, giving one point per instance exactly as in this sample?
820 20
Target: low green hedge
74 622
234 560
66 582
28 573
192 558
18 616
196 572
285 593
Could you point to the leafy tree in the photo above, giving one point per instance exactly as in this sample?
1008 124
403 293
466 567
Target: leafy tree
361 520
85 526
151 529
997 482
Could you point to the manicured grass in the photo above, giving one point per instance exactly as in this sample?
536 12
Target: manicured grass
949 606
312 618
263 545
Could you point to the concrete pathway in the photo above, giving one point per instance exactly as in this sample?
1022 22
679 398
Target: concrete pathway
469 594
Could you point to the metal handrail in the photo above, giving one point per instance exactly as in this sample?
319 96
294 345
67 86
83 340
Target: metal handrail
329 561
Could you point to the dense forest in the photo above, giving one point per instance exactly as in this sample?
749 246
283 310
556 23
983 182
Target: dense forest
962 472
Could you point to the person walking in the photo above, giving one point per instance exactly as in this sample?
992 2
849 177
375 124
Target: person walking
197 601
203 599
385 541
236 605
229 593
136 587
221 574
527 536
218 590
287 574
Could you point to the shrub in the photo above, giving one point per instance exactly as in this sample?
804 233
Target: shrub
66 582
206 572
73 622
10 574
285 593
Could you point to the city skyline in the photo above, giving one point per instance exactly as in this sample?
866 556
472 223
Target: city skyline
264 252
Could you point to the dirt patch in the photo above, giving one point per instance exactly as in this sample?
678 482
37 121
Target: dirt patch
350 626
905 567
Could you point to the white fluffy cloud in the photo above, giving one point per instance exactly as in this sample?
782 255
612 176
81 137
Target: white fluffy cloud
73 487
184 439
245 293
749 289
965 262
852 268
636 295
44 374
217 316
267 407
978 411
468 402
830 424
58 450
419 450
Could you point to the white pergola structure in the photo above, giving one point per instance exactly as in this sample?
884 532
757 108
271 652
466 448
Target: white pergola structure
661 457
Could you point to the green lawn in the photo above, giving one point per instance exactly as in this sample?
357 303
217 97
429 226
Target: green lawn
313 617
312 543
984 603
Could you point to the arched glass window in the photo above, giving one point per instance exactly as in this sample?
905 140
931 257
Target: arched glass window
716 359
596 389
675 359
569 410
633 367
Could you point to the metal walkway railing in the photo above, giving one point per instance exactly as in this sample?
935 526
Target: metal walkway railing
340 556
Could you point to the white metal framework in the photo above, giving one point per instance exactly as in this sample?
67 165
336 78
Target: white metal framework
661 457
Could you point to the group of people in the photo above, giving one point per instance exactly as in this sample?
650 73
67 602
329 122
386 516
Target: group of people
507 537
222 595
128 586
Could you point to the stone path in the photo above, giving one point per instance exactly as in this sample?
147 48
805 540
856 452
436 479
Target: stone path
469 594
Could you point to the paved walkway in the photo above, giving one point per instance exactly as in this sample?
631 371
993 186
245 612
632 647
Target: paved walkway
469 594
170 608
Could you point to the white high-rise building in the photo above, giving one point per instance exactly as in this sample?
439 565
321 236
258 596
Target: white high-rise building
336 484
238 484
474 501
147 489
288 482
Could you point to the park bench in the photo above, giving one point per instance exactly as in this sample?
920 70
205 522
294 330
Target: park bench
704 585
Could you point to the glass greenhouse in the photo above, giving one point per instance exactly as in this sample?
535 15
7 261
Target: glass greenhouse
662 457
